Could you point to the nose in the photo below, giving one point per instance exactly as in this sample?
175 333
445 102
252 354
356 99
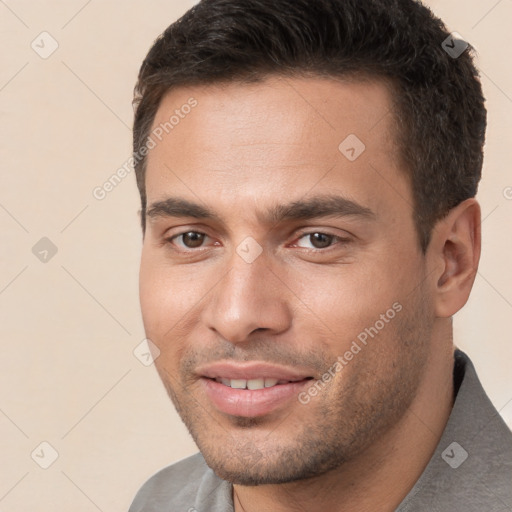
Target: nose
250 297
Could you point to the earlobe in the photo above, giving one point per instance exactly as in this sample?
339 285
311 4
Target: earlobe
458 240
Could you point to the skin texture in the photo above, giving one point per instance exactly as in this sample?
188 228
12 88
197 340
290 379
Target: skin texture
364 439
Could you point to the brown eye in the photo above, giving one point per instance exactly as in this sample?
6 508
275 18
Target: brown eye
321 240
190 239
318 240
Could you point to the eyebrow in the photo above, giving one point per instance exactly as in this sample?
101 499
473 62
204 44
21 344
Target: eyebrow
310 208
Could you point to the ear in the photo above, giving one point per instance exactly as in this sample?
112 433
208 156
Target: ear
455 252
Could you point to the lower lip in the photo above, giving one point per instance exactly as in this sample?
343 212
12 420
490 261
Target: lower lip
251 403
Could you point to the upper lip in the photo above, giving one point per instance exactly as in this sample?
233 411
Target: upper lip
248 371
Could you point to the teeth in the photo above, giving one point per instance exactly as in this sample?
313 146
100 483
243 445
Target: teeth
238 383
256 384
252 384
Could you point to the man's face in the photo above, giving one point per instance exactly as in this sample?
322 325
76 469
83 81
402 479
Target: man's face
326 314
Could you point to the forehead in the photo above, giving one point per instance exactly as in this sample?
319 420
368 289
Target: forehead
279 138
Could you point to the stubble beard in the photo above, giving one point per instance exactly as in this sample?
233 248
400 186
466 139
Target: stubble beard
342 421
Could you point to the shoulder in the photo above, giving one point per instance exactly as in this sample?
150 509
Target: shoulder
175 485
471 469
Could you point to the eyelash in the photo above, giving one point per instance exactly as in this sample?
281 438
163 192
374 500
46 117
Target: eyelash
337 238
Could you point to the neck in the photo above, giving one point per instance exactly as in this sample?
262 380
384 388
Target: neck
386 471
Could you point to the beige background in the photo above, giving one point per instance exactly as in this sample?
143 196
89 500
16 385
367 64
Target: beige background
68 375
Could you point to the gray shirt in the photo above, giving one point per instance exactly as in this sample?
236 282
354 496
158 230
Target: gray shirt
470 471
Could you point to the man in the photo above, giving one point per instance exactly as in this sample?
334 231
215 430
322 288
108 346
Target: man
307 170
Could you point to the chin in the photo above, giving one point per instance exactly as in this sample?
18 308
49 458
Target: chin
249 467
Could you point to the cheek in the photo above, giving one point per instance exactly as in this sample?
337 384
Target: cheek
170 299
347 298
160 312
158 297
148 291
